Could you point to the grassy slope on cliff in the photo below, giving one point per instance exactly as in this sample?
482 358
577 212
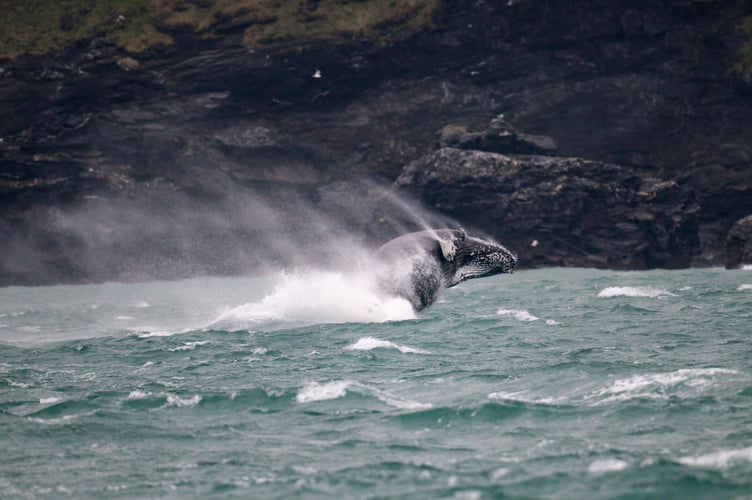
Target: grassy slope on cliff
40 26
744 65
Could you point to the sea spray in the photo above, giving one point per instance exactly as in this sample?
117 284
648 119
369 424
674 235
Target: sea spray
319 297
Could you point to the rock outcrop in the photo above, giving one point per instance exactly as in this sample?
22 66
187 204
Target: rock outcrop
739 244
499 137
561 211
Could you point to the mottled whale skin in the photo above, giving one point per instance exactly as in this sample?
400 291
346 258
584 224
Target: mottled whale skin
418 266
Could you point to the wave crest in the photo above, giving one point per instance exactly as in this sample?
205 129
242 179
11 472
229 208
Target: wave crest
633 291
370 343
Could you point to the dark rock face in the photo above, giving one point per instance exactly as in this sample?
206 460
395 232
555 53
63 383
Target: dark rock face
739 244
633 108
561 211
499 137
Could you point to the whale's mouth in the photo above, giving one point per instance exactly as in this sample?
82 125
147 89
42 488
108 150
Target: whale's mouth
472 271
481 265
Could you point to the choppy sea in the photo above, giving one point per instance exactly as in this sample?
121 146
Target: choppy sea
553 383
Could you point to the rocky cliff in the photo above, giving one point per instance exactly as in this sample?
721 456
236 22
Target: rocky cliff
164 139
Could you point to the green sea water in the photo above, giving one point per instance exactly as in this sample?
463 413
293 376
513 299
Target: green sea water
554 383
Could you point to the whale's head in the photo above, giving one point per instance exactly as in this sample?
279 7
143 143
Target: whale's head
468 257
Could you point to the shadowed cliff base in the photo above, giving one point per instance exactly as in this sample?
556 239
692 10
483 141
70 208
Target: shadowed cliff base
640 107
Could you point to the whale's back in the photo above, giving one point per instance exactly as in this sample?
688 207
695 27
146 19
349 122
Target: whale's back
412 267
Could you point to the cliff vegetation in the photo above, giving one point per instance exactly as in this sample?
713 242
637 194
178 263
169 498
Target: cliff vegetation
37 27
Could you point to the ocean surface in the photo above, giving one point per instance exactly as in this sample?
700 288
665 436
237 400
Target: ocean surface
554 383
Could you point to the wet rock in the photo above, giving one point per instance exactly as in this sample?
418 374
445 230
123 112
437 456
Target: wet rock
248 136
739 244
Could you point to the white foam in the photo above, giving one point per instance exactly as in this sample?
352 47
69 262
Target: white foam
189 346
747 267
125 317
522 397
607 465
321 297
136 395
633 291
45 401
518 314
321 392
654 385
719 459
142 304
61 420
315 391
402 404
53 421
153 331
370 343
499 473
745 286
173 400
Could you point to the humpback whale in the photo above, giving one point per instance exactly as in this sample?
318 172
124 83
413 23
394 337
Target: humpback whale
418 266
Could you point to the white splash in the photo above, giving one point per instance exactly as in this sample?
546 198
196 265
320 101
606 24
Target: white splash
633 291
136 395
523 397
745 286
518 314
655 385
499 473
402 404
173 400
321 297
719 459
51 400
60 420
607 465
314 391
153 331
321 392
370 343
189 346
